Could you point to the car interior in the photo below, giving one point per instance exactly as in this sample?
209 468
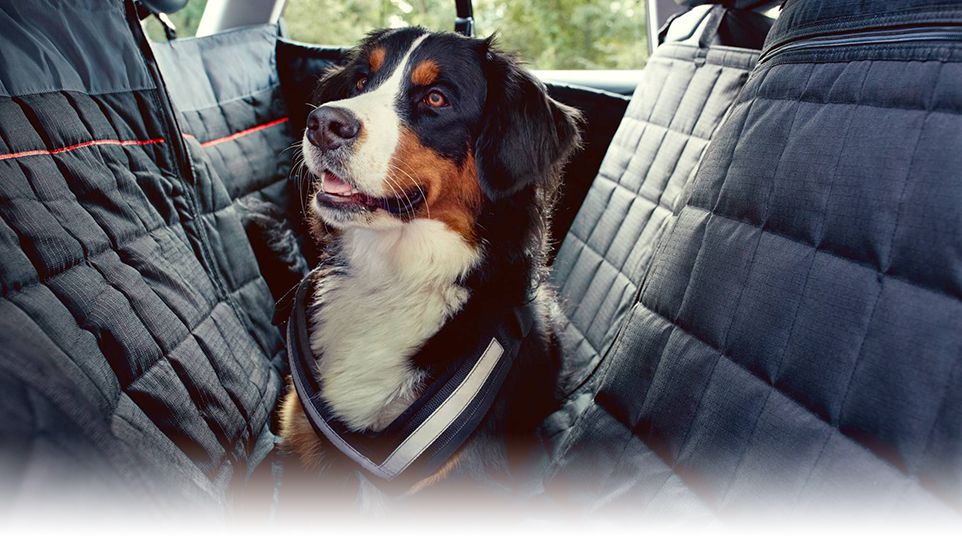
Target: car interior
757 250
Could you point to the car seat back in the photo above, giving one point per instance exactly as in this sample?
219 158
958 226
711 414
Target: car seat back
136 326
687 88
797 341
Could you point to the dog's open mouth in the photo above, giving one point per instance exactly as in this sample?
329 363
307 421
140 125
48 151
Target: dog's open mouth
335 192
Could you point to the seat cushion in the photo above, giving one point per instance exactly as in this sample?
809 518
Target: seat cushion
796 344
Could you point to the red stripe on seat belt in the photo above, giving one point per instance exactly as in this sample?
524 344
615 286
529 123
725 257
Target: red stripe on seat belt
78 146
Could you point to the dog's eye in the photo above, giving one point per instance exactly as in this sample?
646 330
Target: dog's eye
435 99
361 83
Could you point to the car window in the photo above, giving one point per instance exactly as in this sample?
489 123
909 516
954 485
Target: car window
549 34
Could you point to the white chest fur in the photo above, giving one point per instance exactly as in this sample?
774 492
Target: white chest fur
395 290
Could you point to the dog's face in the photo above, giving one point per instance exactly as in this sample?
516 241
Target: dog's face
422 125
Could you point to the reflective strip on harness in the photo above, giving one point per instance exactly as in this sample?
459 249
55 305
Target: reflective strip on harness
445 415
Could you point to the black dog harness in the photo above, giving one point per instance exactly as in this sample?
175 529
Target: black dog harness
430 431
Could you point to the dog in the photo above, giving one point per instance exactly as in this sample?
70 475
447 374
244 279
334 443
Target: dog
437 158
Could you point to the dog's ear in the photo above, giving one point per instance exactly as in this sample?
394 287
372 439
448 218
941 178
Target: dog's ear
525 136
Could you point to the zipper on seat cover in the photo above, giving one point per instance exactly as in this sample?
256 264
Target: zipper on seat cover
915 33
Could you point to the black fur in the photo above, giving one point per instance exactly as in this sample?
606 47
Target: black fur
525 135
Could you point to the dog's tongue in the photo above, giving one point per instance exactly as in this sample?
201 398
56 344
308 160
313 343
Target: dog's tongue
334 185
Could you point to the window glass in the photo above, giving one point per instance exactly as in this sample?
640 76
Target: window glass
344 22
548 34
186 21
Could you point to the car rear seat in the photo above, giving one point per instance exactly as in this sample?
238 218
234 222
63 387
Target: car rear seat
687 87
137 336
796 343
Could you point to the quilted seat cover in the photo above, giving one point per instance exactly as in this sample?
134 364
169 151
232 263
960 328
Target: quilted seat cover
136 336
797 342
684 94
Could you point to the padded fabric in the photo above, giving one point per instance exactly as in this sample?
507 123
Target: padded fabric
602 113
236 117
238 121
797 341
136 327
682 97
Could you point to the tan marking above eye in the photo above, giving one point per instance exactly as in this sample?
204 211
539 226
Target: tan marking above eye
376 58
425 73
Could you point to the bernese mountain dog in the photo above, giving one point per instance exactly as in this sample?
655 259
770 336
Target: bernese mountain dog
435 160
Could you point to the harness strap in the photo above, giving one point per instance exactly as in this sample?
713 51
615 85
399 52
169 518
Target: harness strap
425 436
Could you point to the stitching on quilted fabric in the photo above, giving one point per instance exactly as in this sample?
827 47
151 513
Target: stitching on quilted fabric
187 334
81 145
257 388
723 345
826 251
603 253
886 265
248 189
602 258
234 400
246 155
869 105
93 383
754 375
208 422
582 338
644 128
240 134
577 427
768 205
577 313
674 323
133 305
173 268
246 97
73 102
684 147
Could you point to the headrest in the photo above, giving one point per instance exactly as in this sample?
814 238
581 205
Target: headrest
734 4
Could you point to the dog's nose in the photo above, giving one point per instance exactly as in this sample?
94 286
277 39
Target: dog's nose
331 127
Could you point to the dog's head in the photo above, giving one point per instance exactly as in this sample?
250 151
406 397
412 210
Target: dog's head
420 125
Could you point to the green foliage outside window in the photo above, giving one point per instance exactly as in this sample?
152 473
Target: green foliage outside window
549 34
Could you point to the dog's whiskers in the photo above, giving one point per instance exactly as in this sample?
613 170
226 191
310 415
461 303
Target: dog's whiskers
417 184
416 181
391 180
410 210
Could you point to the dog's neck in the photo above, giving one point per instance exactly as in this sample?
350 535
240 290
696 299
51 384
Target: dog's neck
421 252
388 292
